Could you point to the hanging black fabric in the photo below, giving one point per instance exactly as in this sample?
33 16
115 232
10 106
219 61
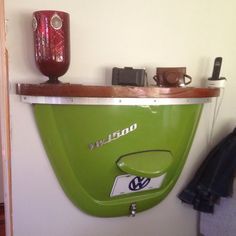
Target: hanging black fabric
214 178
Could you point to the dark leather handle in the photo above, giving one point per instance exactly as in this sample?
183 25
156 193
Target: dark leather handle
190 79
155 77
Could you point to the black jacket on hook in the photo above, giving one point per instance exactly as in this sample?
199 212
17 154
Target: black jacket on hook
214 178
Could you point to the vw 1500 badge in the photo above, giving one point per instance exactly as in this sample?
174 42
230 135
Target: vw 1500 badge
111 137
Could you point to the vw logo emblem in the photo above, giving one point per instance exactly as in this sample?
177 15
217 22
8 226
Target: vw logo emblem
138 183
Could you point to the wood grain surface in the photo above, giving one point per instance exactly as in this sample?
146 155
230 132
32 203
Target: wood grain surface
78 90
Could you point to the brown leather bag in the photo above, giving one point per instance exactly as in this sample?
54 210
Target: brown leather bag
171 77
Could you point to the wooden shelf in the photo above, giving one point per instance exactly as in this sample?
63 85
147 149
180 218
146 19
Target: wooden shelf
78 90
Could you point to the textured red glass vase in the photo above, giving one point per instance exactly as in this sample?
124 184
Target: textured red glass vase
52 43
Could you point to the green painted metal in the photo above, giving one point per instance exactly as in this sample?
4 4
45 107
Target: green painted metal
87 174
147 164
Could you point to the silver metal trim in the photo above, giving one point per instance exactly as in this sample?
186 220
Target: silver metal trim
112 101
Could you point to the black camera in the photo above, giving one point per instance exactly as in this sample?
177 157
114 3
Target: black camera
129 76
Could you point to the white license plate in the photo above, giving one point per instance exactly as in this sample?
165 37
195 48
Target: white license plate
125 184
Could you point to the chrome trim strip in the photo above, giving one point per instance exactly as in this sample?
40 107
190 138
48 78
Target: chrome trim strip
112 101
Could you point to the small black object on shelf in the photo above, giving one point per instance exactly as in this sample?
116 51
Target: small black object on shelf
129 76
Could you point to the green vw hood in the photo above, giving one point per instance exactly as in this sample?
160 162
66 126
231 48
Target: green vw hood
109 157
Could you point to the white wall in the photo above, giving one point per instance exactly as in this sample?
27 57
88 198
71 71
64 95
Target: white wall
104 34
